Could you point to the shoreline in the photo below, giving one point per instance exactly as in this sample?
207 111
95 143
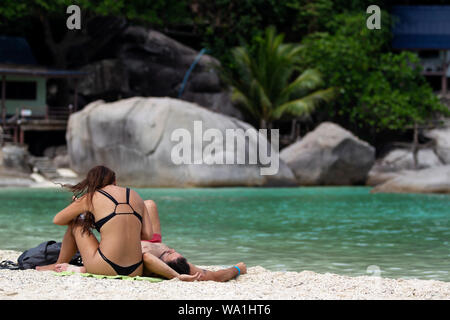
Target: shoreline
257 284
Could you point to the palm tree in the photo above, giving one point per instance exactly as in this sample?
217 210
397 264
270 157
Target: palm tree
269 84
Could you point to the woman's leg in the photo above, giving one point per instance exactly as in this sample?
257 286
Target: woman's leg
87 244
93 262
68 250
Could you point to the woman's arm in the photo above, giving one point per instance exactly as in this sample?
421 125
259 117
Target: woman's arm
77 207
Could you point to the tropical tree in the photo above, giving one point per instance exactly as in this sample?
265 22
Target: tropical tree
60 41
268 84
380 91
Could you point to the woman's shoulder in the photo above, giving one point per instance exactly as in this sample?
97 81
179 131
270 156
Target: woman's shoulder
112 187
119 189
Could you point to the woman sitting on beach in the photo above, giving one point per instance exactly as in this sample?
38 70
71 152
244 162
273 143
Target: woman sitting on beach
119 214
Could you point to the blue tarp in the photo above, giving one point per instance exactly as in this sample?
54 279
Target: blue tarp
421 27
15 50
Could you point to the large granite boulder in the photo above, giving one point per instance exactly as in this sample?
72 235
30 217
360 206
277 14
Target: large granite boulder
134 137
145 62
16 157
403 159
442 139
398 160
329 155
107 77
429 180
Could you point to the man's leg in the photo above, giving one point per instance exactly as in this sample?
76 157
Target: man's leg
152 210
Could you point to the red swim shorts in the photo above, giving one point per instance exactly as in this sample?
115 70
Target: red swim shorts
156 238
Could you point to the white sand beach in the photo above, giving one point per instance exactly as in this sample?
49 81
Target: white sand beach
257 284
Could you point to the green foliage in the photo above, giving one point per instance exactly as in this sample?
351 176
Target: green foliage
155 12
266 82
378 89
224 24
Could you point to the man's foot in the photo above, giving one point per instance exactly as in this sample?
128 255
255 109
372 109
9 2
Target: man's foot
69 267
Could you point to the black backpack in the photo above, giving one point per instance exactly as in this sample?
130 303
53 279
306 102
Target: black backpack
44 254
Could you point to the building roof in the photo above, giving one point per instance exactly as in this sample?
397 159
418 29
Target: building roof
36 71
15 50
421 27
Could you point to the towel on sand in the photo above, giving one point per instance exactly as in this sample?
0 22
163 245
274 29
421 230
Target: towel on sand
99 276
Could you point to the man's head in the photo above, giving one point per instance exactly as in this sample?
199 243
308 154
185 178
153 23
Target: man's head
180 265
176 261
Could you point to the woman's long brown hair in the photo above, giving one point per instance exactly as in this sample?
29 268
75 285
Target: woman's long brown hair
96 179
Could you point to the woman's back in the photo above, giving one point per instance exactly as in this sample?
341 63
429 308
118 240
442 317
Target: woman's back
118 215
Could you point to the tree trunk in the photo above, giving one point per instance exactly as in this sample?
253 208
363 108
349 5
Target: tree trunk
60 50
262 124
415 147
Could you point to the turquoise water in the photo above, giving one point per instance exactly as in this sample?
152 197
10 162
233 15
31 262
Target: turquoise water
342 230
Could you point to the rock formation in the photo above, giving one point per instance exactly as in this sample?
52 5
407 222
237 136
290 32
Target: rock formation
144 62
430 180
134 137
329 155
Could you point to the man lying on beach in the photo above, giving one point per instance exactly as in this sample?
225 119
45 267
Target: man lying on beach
161 260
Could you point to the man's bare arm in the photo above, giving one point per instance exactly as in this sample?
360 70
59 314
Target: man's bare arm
220 275
154 265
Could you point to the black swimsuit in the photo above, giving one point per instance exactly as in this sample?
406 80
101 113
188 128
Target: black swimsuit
123 271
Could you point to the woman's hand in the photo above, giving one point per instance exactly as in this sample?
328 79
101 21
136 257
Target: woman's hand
189 278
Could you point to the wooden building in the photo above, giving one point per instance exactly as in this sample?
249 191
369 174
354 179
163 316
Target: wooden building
24 92
426 30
